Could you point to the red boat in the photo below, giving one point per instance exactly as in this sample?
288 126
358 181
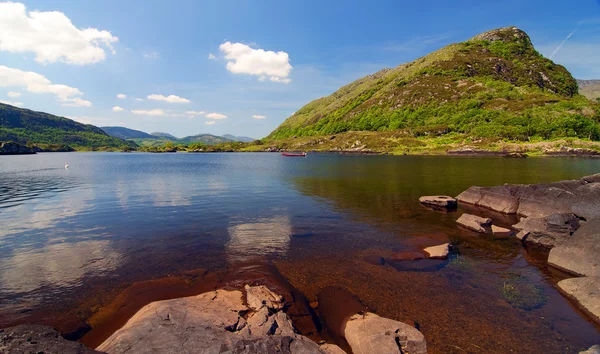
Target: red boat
293 154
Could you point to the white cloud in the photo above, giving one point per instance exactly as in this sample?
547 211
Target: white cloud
256 116
139 99
36 83
12 103
210 122
170 98
216 116
51 36
151 55
13 94
121 96
117 109
211 56
151 112
192 114
242 59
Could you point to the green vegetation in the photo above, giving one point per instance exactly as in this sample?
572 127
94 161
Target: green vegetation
494 86
54 133
520 292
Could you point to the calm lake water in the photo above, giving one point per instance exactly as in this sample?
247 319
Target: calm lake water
112 219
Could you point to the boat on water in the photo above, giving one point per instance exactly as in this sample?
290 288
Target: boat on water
293 154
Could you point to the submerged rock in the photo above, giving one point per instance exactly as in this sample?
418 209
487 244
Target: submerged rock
368 333
439 201
586 294
38 339
580 254
475 223
548 231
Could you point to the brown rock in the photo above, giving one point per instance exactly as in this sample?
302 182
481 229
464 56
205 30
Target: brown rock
439 201
548 231
580 254
438 252
501 231
38 339
585 292
259 296
474 223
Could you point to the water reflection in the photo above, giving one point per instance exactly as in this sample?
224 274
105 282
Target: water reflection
257 239
62 264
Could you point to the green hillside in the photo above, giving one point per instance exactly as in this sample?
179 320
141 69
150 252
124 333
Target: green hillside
37 128
493 85
126 133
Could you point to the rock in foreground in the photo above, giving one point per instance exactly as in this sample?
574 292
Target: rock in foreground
586 294
579 255
548 231
474 223
593 350
438 252
214 322
370 333
38 339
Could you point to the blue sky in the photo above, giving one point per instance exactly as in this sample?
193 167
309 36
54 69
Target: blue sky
269 58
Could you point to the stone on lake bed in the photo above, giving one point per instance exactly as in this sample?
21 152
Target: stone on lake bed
501 231
439 201
368 333
474 223
585 292
438 252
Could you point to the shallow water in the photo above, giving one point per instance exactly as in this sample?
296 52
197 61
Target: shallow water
71 239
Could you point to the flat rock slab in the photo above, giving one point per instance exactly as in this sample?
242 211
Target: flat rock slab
474 223
38 339
439 201
208 323
593 350
548 231
438 252
585 292
369 333
580 254
573 196
501 231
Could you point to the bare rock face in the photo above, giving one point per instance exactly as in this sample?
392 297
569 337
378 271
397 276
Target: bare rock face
548 231
439 201
211 323
580 255
38 339
438 252
593 350
586 294
370 333
475 223
495 198
260 296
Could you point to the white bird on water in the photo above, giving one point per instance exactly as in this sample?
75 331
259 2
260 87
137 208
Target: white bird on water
66 166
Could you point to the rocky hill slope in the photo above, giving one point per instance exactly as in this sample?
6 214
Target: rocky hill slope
495 85
589 88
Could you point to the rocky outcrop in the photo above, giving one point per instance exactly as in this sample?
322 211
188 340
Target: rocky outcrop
579 255
585 292
438 252
214 322
475 223
38 339
593 350
439 201
15 149
368 333
548 231
538 199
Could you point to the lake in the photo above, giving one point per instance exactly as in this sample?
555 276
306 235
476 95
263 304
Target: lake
72 239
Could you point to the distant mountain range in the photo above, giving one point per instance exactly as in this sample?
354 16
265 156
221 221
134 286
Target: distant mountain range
589 88
159 138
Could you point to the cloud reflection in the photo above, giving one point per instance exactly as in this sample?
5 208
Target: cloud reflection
264 237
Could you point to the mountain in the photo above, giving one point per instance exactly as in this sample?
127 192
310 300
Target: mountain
207 139
126 133
164 135
494 85
243 139
589 88
24 126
